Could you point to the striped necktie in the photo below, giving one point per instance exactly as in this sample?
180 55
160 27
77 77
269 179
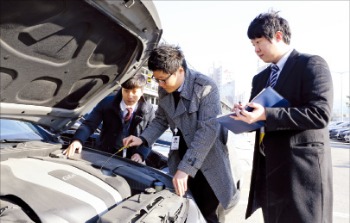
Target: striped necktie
273 76
128 115
272 82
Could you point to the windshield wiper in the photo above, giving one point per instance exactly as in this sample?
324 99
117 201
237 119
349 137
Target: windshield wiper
17 140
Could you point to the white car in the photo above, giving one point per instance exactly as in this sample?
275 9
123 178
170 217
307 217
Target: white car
59 58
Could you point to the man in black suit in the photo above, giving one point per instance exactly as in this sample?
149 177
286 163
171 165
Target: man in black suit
292 170
117 121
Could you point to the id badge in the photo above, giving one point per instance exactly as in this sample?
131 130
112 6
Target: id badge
124 153
175 143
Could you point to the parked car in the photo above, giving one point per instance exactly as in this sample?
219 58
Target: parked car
58 60
342 134
347 138
334 132
334 124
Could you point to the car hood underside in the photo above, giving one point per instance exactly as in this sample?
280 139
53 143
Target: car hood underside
60 57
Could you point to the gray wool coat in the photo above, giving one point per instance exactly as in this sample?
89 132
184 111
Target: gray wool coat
195 116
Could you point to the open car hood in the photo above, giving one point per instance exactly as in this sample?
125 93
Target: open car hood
59 58
39 184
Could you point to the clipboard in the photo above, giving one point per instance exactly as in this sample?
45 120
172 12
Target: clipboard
268 97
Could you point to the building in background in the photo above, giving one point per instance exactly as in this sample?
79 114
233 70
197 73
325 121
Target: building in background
151 89
341 102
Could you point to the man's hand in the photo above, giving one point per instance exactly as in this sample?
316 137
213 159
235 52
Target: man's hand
137 158
74 147
258 113
180 182
132 141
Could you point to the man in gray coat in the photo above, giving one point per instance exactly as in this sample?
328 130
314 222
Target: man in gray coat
189 103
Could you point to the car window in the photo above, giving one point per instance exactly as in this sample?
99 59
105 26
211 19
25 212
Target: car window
12 130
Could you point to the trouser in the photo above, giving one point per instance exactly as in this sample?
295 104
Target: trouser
205 198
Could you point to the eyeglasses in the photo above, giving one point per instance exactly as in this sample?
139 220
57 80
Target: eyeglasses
161 81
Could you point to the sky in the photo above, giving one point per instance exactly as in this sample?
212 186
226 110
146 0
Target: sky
215 32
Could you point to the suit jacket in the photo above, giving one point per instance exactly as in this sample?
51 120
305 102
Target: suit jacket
108 112
195 116
296 172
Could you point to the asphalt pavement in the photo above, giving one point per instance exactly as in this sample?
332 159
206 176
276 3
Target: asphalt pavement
241 151
242 155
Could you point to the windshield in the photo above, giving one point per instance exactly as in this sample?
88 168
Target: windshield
12 130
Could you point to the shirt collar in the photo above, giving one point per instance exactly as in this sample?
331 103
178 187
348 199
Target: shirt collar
283 60
123 106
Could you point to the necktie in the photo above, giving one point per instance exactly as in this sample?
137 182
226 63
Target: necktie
272 82
128 115
273 75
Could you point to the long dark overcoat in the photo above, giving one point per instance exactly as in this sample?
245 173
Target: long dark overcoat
296 172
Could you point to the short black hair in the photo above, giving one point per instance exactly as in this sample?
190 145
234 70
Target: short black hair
267 24
137 81
167 58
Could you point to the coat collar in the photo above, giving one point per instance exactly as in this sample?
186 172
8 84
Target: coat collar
186 93
287 69
187 90
285 72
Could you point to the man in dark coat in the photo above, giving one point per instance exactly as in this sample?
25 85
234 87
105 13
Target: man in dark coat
112 112
292 170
